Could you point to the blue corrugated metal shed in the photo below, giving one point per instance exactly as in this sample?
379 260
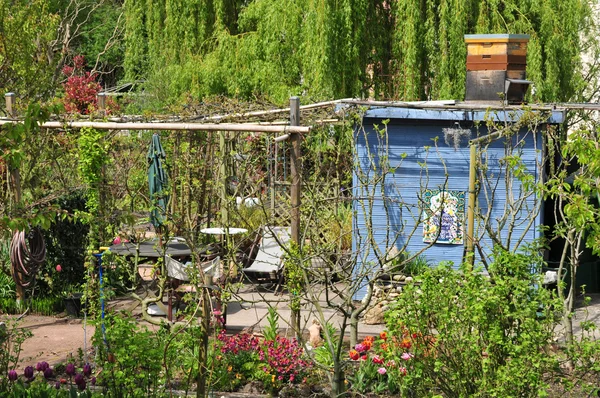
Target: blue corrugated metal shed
390 204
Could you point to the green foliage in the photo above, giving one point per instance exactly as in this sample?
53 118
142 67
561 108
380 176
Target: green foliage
47 306
294 275
42 389
130 356
93 155
11 339
263 48
581 197
120 275
323 48
27 29
470 334
102 40
271 330
18 140
414 267
7 286
322 354
66 241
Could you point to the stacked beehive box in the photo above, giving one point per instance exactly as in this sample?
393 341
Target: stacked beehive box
496 67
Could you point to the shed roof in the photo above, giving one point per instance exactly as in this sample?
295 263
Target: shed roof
457 111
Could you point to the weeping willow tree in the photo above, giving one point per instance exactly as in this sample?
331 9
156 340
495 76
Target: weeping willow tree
403 49
272 49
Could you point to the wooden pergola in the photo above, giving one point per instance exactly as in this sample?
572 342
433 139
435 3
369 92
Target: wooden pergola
291 132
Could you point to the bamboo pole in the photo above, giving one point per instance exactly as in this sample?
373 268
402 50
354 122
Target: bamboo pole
172 126
278 111
470 249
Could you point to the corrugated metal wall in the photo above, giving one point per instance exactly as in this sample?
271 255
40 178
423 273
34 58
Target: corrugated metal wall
389 203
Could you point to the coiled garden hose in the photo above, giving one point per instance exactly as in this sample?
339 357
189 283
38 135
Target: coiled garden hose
27 253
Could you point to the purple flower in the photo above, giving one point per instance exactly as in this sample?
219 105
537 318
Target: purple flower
48 373
42 366
79 379
28 372
57 385
70 369
381 371
93 380
87 369
81 385
12 375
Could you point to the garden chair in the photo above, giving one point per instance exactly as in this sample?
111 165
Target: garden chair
180 273
268 264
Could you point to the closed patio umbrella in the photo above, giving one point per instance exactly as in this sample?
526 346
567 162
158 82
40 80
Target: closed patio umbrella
157 182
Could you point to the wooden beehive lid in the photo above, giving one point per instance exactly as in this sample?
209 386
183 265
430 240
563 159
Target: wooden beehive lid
497 38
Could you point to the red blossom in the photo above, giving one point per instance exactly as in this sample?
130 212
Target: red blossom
377 359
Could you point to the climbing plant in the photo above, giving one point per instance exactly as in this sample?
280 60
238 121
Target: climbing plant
92 156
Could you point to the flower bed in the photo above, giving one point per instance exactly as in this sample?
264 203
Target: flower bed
243 358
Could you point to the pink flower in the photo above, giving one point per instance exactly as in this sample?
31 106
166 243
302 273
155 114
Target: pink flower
402 370
381 371
406 356
360 347
377 359
117 240
58 268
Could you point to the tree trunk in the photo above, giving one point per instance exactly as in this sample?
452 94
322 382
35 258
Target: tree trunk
203 342
353 329
338 386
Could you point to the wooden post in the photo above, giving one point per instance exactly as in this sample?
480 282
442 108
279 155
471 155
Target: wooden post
224 206
295 169
203 343
295 195
101 100
15 177
10 104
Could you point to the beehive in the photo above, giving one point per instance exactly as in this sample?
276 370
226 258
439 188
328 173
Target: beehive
496 67
497 52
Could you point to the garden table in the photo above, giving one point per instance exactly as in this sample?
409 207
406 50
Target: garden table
150 249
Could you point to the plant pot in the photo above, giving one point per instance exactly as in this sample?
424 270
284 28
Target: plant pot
73 305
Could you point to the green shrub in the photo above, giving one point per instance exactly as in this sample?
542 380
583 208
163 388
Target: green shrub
7 286
131 357
46 306
473 335
11 339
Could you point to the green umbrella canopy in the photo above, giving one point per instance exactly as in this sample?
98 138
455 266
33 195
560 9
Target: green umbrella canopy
157 182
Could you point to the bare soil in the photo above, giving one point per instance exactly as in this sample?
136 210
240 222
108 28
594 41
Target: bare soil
54 340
